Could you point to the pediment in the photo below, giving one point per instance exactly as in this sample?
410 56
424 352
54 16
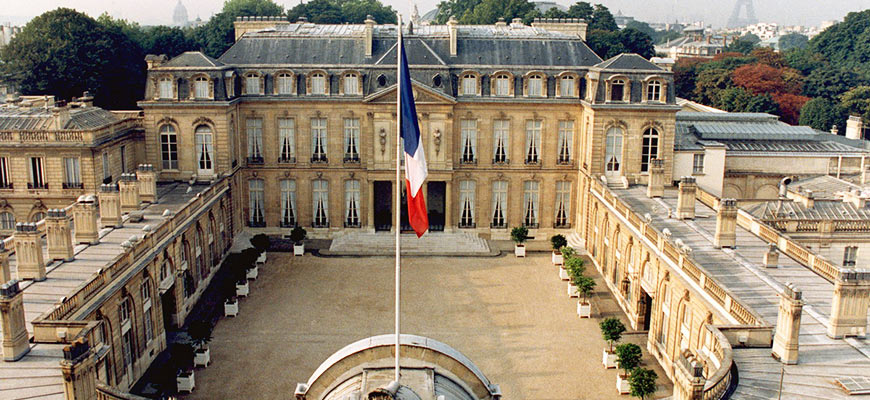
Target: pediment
422 95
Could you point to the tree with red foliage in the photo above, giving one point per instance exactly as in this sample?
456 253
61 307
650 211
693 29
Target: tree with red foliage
759 78
790 106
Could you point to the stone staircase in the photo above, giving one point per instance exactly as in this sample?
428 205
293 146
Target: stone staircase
432 243
577 243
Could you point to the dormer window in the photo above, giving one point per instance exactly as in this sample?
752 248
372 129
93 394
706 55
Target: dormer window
252 83
502 85
654 90
567 86
535 86
201 87
165 88
617 90
284 83
317 83
351 84
469 84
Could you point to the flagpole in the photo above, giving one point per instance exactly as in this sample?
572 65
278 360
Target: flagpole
399 49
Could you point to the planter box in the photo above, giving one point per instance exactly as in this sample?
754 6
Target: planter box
261 260
572 291
520 250
231 309
298 249
253 273
242 289
185 382
584 310
201 358
608 359
563 274
557 258
622 384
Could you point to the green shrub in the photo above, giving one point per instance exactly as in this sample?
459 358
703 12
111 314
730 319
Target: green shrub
642 382
612 330
558 242
628 356
261 242
298 234
519 234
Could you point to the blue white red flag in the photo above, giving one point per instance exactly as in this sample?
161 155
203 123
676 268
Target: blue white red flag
415 160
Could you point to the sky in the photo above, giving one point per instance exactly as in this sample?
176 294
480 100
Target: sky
712 12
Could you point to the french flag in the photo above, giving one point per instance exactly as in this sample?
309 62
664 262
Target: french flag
415 160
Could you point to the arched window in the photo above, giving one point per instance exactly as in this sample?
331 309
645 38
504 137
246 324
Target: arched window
168 146
201 87
284 83
502 85
317 83
685 326
650 149
38 216
654 91
469 84
252 83
351 84
617 90
204 149
536 87
7 221
567 86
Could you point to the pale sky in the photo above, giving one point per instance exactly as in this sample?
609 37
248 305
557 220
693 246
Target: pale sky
715 12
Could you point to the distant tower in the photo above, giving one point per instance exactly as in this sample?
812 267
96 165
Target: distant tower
736 21
179 16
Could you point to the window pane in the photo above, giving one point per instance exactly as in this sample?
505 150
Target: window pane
285 84
168 147
5 181
288 203
204 148
287 139
351 84
252 84
501 134
351 139
255 139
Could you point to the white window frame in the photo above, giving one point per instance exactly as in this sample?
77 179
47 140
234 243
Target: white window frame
168 147
256 202
351 203
654 90
850 256
284 83
107 169
252 84
166 88
254 132
468 154
467 189
146 311
289 216
204 139
499 204
664 325
567 86
123 151
36 172
613 84
563 205
351 84
320 203
351 140
7 221
501 141
533 141
650 143
698 163
201 87
5 177
469 84
566 141
536 86
72 173
317 84
287 140
531 204
502 86
319 143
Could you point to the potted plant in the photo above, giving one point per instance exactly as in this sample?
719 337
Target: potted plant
231 305
240 272
249 257
628 357
297 235
261 242
573 270
558 242
611 330
519 235
643 382
585 285
200 335
182 357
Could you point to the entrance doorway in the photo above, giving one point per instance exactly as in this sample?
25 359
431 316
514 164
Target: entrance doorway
613 153
435 203
383 205
167 301
646 304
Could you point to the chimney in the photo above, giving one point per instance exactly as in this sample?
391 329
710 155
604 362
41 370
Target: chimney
15 337
79 371
501 22
369 34
726 224
656 185
771 257
834 130
5 272
788 325
849 305
147 183
686 198
454 35
85 218
58 235
854 127
110 206
129 188
28 252
61 117
86 100
154 61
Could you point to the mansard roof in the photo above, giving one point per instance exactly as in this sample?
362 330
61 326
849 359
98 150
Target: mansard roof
193 59
40 118
629 61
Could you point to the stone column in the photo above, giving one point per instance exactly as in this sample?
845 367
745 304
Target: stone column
656 185
58 235
85 217
15 338
788 325
28 252
129 188
448 206
147 183
5 272
110 206
726 224
686 198
688 378
79 371
771 258
849 306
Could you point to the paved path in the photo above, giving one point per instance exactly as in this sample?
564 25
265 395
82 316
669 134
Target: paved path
510 316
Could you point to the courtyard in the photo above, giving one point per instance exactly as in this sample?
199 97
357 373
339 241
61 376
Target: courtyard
510 316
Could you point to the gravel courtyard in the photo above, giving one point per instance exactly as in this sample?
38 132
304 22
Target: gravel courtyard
510 316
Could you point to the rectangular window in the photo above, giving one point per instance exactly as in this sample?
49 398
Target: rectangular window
127 339
530 204
351 140
200 87
469 141
287 140
351 204
466 204
654 91
318 84
168 147
146 310
320 203
107 172
37 174
533 141
256 195
5 178
698 164
567 87
72 175
252 84
123 159
666 313
536 86
850 256
318 140
502 85
351 84
500 141
254 130
285 84
563 204
166 89
499 204
566 141
469 85
288 203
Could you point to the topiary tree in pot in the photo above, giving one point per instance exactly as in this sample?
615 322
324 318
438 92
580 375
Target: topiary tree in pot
261 242
628 357
519 235
558 242
643 383
611 331
200 334
182 358
573 268
297 235
585 285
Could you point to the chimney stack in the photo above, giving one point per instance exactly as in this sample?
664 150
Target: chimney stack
788 325
686 198
854 127
147 183
5 272
454 35
369 34
129 188
58 235
110 206
16 340
85 218
28 252
726 224
656 185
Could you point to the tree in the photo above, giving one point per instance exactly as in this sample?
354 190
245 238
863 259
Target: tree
454 8
767 56
611 330
740 45
585 285
857 102
804 60
846 44
555 12
602 19
642 27
64 53
635 41
793 41
759 78
489 11
171 41
643 382
790 106
822 114
260 242
709 83
762 103
218 34
628 357
609 44
830 82
734 99
200 332
343 11
317 11
686 75
582 10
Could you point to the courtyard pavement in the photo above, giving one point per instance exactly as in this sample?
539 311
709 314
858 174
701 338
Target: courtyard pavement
510 316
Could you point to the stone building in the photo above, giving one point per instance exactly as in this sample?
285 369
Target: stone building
52 153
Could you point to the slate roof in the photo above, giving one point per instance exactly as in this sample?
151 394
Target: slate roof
629 61
821 210
39 118
193 59
822 186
